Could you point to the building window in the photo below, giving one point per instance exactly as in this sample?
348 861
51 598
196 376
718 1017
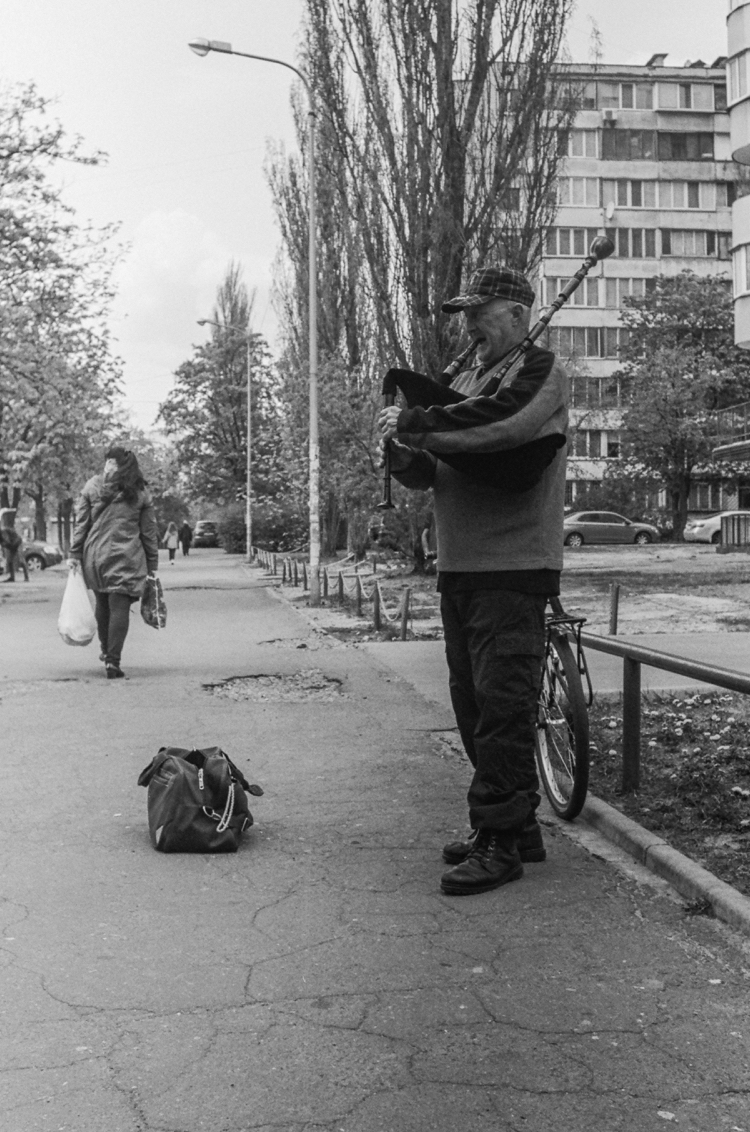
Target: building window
705 497
741 270
686 96
569 241
585 295
634 243
587 341
625 96
629 145
688 194
582 143
595 392
617 290
720 97
629 194
686 242
737 73
686 147
587 442
614 445
578 191
726 194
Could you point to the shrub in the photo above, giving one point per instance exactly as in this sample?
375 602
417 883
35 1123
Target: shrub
231 527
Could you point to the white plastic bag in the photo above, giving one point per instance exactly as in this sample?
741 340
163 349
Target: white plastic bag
76 623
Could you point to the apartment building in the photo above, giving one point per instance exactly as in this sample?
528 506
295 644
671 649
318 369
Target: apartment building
648 163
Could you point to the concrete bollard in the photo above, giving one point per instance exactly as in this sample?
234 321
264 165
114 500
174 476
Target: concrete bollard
614 607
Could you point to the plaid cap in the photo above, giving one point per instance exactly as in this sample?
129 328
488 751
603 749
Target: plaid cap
492 283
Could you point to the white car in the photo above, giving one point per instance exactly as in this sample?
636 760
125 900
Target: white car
708 529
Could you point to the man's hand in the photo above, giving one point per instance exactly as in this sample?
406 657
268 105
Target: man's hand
387 422
400 456
73 564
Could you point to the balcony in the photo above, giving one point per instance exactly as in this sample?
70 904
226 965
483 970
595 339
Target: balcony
732 432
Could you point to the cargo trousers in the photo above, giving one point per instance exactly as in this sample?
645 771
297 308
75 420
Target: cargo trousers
494 645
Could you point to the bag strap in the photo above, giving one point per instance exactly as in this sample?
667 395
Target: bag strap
226 817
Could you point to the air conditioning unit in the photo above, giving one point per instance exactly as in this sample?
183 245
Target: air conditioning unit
609 117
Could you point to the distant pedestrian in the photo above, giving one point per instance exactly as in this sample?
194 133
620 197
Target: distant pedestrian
12 543
186 538
171 541
116 542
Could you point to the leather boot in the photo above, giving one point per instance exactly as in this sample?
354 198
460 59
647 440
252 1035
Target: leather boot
530 845
493 860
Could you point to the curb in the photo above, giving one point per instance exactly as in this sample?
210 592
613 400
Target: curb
688 878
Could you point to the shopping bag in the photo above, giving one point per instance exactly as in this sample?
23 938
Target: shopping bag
76 623
196 801
153 606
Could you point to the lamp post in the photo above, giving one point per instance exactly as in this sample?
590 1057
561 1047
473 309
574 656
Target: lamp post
202 47
248 463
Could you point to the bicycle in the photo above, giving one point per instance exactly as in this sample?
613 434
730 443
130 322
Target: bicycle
562 726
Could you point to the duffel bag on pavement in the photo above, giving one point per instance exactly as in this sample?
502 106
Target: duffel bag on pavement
196 801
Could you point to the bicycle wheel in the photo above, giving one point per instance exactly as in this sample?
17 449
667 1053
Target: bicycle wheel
562 731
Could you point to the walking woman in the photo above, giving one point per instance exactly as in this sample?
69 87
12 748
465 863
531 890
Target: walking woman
116 542
171 541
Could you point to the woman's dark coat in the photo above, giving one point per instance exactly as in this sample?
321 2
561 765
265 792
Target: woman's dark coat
116 542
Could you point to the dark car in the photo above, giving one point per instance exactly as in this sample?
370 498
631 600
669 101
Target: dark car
606 527
39 554
205 534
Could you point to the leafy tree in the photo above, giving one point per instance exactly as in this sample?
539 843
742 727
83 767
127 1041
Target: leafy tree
680 364
58 379
205 411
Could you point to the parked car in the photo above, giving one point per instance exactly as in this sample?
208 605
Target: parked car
205 534
39 554
708 529
606 527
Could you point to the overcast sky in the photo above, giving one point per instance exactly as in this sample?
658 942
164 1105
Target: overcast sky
187 139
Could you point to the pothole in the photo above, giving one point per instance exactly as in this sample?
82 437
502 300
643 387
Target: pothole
297 687
310 643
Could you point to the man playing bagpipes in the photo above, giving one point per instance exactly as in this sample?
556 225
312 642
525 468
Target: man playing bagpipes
495 459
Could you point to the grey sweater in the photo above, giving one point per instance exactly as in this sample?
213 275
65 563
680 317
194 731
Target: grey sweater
482 528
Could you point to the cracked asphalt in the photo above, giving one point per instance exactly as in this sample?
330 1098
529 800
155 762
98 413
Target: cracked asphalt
317 980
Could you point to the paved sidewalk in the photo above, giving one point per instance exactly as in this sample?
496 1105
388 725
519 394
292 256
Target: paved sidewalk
318 979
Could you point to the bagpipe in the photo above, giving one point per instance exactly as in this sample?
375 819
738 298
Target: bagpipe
516 468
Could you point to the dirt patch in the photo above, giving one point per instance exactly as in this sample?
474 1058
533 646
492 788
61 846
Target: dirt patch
695 776
298 687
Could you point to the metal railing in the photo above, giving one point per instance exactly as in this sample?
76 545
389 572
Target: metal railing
633 657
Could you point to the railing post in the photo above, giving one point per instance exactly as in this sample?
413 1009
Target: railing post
341 588
325 581
405 614
614 607
631 724
376 608
358 592
296 573
273 565
304 574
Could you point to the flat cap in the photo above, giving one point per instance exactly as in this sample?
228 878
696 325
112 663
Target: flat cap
492 283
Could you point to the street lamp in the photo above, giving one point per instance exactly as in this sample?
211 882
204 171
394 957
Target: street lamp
248 481
202 47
